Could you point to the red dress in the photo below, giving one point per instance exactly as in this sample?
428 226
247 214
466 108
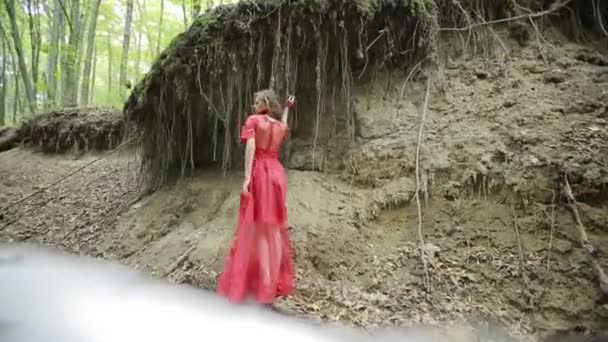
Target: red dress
260 263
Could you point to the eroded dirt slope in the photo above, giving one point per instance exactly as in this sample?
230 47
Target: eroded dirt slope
496 128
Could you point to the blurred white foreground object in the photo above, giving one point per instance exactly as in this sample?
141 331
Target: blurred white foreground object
47 296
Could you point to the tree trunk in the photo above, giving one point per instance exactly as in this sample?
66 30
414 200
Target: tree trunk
35 40
140 20
27 81
138 58
185 15
16 98
84 88
84 23
70 70
93 75
160 26
57 30
109 64
3 83
125 49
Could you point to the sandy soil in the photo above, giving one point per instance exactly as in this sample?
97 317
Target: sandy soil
496 128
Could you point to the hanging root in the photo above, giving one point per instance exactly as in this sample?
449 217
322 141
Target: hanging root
426 279
522 258
74 129
590 250
551 230
188 109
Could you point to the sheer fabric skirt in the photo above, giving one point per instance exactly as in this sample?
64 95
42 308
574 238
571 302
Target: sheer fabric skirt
259 264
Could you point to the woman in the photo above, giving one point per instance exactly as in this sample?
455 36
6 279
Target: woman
259 263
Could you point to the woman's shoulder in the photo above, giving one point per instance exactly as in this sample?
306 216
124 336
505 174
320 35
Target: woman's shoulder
252 119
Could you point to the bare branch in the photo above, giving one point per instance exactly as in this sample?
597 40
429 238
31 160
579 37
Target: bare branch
554 8
590 250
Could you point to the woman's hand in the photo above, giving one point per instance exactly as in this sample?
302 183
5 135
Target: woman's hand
246 184
291 100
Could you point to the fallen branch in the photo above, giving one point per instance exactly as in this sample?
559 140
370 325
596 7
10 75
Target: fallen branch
591 251
509 19
179 261
427 281
63 178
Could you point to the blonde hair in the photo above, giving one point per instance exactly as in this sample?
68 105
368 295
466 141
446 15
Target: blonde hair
272 102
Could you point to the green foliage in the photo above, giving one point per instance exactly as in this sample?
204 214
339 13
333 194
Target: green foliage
205 20
420 7
108 43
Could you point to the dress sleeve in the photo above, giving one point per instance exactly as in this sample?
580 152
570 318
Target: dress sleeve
248 129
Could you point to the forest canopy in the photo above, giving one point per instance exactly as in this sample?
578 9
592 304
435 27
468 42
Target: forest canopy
66 53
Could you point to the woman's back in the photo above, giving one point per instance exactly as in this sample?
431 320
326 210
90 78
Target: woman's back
269 133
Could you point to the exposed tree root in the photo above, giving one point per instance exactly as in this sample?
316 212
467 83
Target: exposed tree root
9 138
426 279
591 251
191 104
74 129
520 250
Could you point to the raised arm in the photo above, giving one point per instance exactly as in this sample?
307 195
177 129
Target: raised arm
290 102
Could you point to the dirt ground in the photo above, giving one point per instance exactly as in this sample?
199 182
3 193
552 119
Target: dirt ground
502 246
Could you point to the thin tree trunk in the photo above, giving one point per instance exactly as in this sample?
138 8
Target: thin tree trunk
185 15
16 98
139 38
84 88
84 22
138 58
63 47
160 26
57 30
35 40
70 70
3 83
27 81
125 49
93 75
149 35
20 108
14 69
109 64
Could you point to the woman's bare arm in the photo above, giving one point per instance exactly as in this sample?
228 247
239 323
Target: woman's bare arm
285 114
290 101
249 152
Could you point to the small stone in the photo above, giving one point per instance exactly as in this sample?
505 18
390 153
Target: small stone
509 103
536 69
563 246
555 76
534 161
481 74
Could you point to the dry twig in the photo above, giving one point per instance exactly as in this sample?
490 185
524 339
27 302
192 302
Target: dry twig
179 261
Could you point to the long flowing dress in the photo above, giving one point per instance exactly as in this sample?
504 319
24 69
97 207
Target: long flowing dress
259 263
